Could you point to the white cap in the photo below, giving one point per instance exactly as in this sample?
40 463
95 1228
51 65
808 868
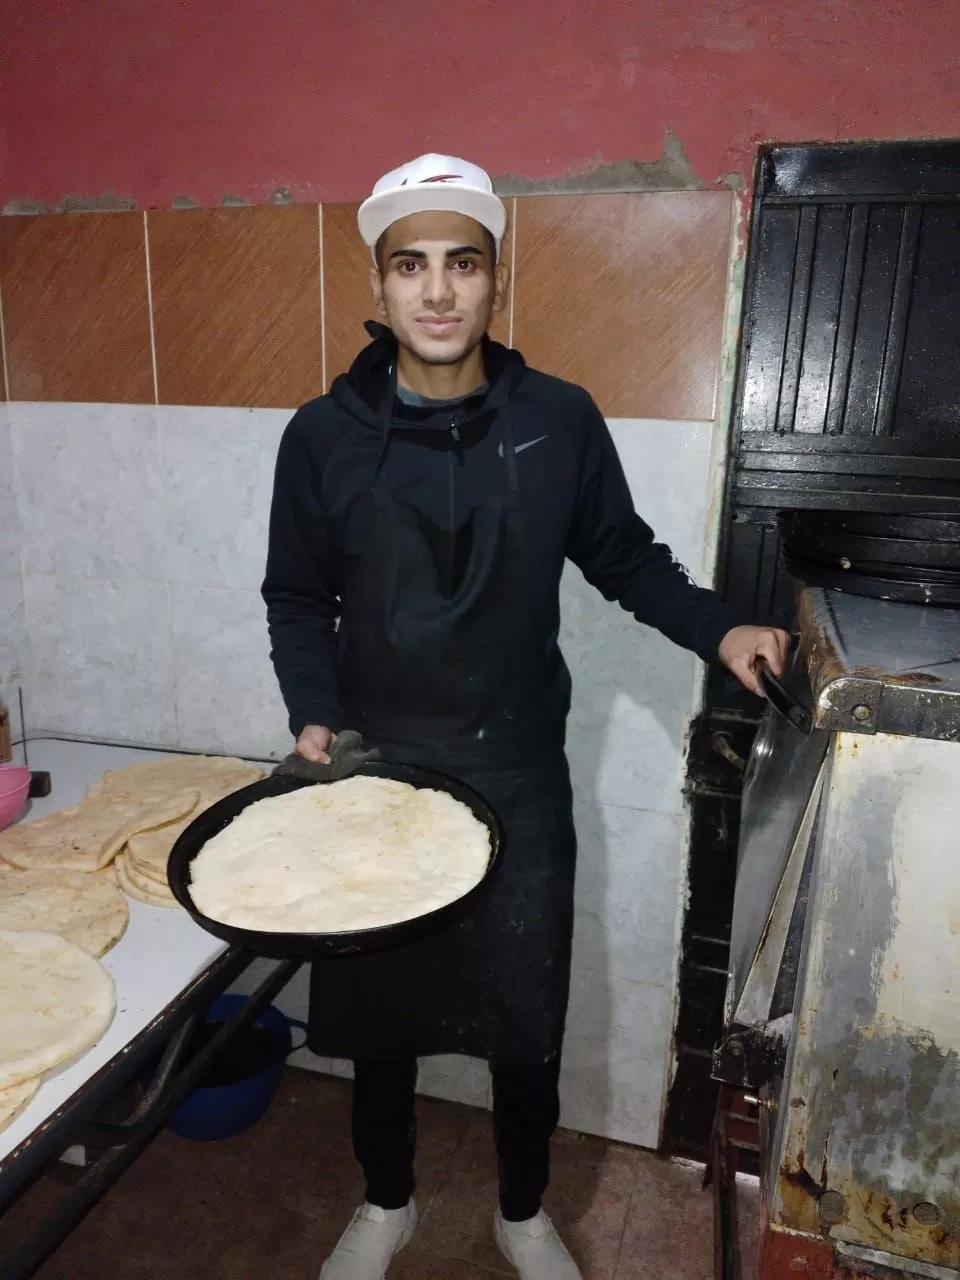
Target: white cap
432 184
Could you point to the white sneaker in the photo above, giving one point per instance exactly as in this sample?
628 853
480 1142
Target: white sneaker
535 1249
372 1239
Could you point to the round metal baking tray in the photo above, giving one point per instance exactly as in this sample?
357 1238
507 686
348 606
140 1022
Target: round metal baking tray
315 945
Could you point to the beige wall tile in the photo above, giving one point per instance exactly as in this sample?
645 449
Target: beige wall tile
347 297
75 311
501 323
236 303
624 294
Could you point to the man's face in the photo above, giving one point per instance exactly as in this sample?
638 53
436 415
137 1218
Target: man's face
437 286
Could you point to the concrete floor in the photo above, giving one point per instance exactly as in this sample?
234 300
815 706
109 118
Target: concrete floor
269 1204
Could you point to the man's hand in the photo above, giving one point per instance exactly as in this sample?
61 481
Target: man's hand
314 742
744 648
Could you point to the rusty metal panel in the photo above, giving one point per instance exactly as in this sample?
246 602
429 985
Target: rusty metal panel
875 666
867 1147
784 1256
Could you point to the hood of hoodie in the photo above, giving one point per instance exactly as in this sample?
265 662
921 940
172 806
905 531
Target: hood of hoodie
363 391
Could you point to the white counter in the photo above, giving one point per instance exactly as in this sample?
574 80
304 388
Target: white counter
161 952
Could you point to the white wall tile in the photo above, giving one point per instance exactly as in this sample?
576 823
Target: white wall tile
667 465
13 640
218 471
631 873
633 691
9 524
90 491
228 699
13 632
456 1079
341 1067
101 663
614 1064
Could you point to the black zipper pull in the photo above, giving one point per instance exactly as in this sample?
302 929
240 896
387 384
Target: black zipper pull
455 432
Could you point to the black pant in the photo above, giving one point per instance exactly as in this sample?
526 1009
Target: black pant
526 1109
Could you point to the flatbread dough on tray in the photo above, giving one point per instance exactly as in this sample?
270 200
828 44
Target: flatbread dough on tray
341 856
15 1098
88 910
55 1002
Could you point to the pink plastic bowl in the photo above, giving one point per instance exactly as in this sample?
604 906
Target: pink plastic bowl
14 787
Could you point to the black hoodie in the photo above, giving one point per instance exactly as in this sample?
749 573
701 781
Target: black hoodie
575 501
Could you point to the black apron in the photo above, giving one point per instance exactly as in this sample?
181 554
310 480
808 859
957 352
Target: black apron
441 666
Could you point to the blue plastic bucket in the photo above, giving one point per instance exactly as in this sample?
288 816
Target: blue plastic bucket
209 1114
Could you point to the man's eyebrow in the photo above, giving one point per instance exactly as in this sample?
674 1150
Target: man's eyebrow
460 252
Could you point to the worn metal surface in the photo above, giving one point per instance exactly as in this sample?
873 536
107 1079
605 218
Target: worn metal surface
878 667
753 1057
871 1108
785 1256
875 1262
755 1005
847 386
779 780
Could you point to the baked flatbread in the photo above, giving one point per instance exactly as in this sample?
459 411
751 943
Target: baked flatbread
150 871
156 779
55 1002
144 891
88 910
14 1099
90 834
341 856
212 777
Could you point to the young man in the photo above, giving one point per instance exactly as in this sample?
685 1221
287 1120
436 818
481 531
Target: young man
422 514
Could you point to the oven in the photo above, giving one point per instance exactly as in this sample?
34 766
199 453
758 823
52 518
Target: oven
840 1053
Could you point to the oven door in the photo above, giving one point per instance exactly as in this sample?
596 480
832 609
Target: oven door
777 812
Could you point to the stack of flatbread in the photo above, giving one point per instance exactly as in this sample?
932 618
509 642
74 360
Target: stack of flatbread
198 781
61 905
56 1001
342 857
130 819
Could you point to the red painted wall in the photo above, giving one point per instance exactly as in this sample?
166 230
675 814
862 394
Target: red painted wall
153 98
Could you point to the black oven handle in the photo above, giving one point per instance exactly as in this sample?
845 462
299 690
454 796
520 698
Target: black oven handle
783 701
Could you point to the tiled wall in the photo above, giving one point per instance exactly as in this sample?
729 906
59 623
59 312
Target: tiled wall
150 364
261 307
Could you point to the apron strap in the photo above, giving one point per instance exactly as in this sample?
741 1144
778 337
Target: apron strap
498 401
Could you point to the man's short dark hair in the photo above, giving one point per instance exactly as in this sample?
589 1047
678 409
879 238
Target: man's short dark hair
488 239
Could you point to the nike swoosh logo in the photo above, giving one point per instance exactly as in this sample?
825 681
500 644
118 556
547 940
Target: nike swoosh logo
519 448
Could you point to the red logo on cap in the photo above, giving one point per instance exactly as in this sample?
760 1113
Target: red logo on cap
441 177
